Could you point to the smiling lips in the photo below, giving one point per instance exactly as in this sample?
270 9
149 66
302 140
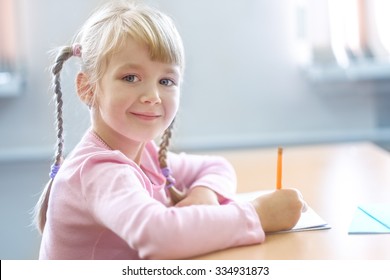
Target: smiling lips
146 116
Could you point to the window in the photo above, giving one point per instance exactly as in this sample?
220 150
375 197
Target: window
346 40
10 78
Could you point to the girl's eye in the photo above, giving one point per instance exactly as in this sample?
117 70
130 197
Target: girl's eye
167 82
131 78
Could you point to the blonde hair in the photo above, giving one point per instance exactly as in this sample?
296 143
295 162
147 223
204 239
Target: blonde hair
102 34
109 27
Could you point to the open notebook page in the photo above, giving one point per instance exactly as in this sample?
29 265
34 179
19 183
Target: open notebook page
309 220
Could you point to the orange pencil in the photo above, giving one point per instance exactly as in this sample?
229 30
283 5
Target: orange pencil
279 169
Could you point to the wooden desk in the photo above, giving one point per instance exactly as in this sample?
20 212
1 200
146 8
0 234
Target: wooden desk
333 179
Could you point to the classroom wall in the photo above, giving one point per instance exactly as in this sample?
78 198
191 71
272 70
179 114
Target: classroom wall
242 88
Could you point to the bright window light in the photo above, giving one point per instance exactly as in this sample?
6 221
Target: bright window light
382 20
345 29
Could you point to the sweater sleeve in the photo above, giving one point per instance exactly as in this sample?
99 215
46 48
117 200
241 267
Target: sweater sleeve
213 172
118 199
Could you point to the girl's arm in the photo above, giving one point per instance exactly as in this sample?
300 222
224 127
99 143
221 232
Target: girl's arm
117 199
205 179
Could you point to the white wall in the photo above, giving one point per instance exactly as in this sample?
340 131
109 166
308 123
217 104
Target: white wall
242 88
242 85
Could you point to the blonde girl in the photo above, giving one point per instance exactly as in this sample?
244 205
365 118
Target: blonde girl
118 195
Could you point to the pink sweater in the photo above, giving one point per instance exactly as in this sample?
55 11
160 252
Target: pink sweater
104 206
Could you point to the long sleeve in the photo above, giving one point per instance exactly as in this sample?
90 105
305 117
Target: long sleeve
119 201
210 171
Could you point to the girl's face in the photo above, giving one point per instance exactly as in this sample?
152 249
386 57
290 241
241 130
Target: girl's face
137 98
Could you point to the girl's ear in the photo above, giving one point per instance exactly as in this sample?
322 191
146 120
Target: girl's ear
84 89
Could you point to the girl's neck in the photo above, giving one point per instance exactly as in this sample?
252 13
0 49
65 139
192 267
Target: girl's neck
133 150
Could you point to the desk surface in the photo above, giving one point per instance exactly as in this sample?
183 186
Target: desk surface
333 179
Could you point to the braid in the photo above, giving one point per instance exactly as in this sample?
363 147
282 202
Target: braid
43 202
175 195
64 55
162 153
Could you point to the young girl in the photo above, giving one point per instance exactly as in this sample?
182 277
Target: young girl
118 195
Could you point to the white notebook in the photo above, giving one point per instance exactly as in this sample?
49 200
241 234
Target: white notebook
309 220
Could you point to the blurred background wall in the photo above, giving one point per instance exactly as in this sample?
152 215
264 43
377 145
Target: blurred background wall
246 85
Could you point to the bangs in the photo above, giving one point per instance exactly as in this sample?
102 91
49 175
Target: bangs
160 36
153 30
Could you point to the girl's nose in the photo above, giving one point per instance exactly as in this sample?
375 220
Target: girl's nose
151 96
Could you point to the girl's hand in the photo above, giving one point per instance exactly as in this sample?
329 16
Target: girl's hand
279 210
199 195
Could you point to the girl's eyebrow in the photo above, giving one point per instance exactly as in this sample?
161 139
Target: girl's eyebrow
129 66
172 70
